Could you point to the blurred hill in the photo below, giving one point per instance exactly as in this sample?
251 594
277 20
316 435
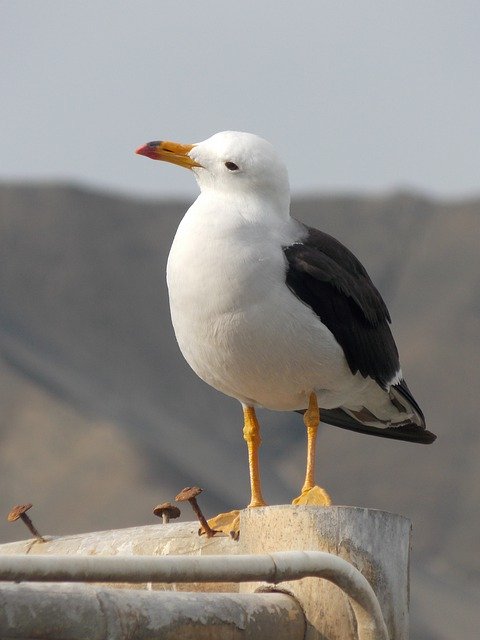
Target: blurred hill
101 418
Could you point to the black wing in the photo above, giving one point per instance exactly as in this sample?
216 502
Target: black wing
328 278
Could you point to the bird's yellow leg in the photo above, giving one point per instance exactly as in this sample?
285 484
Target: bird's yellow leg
251 434
230 522
311 493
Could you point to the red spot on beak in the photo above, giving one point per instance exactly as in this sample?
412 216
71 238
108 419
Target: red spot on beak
149 150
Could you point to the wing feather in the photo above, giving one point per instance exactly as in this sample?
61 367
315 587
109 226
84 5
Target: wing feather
326 276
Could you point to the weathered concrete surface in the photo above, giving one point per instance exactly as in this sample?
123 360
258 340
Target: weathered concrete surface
377 543
159 539
84 612
165 539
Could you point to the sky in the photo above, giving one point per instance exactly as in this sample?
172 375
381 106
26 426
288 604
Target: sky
365 96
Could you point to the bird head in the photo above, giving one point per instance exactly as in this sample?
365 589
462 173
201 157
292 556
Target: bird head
231 163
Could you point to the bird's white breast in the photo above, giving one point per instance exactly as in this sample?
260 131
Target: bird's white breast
237 324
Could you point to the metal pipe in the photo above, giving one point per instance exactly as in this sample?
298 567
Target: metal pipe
272 568
79 611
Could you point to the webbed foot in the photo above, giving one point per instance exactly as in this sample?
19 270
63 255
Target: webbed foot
314 496
228 523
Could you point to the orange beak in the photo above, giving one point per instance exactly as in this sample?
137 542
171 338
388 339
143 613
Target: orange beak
169 152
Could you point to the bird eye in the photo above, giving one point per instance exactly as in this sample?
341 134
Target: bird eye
231 166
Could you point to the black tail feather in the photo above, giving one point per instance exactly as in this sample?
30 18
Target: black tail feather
404 391
409 432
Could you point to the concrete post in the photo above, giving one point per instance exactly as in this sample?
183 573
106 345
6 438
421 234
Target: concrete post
377 543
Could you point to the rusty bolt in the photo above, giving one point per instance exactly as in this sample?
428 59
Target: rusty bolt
20 512
166 511
190 494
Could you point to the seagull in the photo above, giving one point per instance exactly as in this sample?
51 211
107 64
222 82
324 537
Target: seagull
275 313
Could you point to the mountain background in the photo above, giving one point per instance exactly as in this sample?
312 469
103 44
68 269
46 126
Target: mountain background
101 418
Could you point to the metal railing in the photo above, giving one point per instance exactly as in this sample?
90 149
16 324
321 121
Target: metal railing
162 609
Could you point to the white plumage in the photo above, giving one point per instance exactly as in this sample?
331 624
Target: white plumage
237 324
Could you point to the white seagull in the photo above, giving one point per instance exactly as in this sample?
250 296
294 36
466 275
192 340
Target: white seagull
277 314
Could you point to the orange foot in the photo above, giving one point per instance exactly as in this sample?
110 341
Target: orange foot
314 496
228 523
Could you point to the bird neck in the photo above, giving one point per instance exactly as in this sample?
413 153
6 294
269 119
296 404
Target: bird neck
249 206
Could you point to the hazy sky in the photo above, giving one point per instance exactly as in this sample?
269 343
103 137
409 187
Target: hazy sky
367 95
